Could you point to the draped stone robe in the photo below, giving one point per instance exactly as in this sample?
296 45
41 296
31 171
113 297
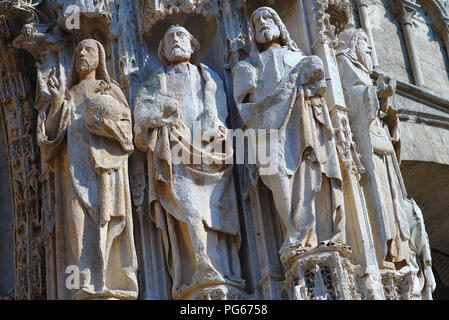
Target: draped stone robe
382 182
194 205
93 217
307 184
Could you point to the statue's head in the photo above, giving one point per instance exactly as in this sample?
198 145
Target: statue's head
354 43
178 45
89 55
268 28
28 30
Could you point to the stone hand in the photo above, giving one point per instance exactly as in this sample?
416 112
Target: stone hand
315 89
56 91
386 86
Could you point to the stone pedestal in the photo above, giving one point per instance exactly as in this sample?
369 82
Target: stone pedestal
324 273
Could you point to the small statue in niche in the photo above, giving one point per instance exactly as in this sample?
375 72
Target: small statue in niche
194 205
278 87
86 137
398 228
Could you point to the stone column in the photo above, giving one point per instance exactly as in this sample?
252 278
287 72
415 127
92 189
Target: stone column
404 10
362 5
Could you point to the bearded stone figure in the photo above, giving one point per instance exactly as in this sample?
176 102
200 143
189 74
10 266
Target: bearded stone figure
86 138
182 107
278 87
396 221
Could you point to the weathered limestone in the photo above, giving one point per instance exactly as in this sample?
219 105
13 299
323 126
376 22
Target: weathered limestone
192 202
391 213
280 88
198 224
86 138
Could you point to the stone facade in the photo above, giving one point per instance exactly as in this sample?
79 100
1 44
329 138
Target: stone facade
94 205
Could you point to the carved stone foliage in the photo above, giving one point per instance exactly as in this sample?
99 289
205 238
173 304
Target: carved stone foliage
156 10
20 122
323 275
332 17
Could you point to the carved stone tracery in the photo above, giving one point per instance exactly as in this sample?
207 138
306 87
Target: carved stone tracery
20 123
156 10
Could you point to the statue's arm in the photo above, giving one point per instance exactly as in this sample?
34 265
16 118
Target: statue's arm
362 96
123 132
153 108
246 93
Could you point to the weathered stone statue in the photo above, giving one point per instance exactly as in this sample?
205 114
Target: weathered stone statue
397 223
86 137
278 87
192 201
385 194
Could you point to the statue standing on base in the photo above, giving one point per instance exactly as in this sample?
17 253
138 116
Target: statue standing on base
182 107
86 138
278 87
400 239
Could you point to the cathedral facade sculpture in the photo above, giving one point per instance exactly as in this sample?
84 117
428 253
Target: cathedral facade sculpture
192 201
396 220
139 192
86 137
279 87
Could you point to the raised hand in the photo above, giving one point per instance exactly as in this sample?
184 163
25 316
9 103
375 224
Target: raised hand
56 91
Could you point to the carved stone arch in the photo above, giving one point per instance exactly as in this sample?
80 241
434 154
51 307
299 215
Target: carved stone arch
153 11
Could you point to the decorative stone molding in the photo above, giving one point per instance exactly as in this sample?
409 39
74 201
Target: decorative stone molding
20 126
323 274
153 11
404 10
332 17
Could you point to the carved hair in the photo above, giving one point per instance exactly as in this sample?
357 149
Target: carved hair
193 41
101 71
285 35
347 43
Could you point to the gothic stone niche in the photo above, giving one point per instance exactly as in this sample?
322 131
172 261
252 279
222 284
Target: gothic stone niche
153 11
83 16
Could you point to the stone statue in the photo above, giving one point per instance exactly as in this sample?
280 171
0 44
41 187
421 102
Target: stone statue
182 106
279 87
86 137
384 189
398 228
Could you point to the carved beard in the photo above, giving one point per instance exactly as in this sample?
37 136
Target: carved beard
177 54
365 59
84 65
268 35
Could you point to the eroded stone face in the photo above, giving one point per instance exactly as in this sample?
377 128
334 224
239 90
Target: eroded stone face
266 30
86 57
177 45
